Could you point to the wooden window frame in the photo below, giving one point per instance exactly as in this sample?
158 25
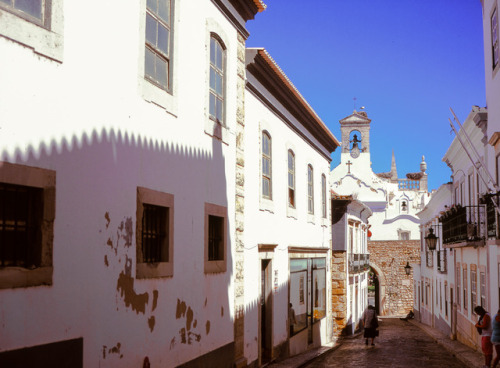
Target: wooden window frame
222 73
291 174
167 57
164 268
267 157
310 189
45 16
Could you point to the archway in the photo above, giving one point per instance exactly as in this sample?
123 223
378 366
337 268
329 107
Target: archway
379 283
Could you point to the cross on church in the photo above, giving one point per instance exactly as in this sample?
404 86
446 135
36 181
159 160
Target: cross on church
348 163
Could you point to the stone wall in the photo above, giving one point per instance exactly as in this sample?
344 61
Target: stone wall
388 259
339 292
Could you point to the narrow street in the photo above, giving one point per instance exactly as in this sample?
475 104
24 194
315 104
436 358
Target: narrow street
400 344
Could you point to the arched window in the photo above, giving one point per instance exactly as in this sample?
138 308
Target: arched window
310 190
291 179
217 79
323 195
266 165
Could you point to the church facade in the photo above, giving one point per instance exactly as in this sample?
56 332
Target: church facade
393 233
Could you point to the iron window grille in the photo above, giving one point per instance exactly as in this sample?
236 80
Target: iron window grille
494 38
429 258
215 238
21 211
464 223
441 260
154 234
158 43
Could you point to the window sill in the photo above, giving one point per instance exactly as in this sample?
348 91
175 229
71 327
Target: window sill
291 212
154 270
16 277
216 130
158 96
266 205
311 218
215 266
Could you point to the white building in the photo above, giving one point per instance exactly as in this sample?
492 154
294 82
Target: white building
287 222
118 182
394 202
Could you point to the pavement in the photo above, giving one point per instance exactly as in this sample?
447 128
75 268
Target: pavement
466 355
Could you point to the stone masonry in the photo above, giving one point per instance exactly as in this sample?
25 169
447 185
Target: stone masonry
388 259
339 292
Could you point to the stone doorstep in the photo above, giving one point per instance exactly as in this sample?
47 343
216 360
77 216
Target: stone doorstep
302 359
470 357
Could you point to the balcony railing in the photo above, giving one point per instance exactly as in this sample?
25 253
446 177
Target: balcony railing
464 223
441 261
359 262
408 184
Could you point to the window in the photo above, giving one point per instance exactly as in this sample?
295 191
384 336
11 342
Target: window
158 43
310 190
404 235
473 288
466 302
27 210
307 291
266 166
404 206
37 24
154 235
36 11
446 299
494 37
217 71
482 280
291 179
323 195
215 238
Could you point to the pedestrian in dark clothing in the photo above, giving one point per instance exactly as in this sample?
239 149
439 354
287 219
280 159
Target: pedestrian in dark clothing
370 324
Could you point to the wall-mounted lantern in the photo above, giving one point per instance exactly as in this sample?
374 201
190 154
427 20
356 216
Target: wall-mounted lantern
431 240
408 268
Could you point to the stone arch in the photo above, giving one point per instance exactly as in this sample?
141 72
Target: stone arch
382 282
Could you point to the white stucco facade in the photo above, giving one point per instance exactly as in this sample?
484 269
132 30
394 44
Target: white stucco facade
77 106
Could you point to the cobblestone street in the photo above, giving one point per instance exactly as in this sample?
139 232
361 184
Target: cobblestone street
400 344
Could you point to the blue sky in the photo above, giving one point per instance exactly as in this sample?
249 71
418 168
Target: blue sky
406 61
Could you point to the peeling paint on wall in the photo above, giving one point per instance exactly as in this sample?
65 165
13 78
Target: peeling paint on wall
151 323
222 311
106 260
181 309
207 327
126 231
108 220
172 343
125 286
189 318
155 299
116 350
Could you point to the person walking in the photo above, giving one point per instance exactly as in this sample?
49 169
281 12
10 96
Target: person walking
370 323
484 327
495 337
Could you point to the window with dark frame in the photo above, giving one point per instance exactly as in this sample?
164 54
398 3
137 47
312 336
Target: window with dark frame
158 53
155 233
323 195
482 283
21 211
266 166
310 190
464 288
291 179
473 288
494 38
34 11
217 82
215 238
457 276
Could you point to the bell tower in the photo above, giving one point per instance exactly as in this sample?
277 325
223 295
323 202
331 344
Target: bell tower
355 131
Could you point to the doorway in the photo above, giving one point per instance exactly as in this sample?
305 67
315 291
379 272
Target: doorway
266 315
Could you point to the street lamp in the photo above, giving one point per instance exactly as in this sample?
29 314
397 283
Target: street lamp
408 268
431 240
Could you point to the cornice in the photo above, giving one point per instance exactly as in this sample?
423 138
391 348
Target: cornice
238 12
494 139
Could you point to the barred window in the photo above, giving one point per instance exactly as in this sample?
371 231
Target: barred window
158 43
457 278
482 281
154 234
21 210
215 238
494 37
323 195
266 166
466 302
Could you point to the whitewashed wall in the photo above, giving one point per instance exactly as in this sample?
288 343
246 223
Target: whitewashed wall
85 119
